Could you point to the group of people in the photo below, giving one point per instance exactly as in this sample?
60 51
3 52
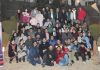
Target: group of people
47 37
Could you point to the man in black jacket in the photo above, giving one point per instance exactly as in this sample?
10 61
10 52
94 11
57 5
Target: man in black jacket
43 47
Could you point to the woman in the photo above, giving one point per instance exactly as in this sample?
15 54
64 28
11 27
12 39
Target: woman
21 50
12 51
25 16
62 56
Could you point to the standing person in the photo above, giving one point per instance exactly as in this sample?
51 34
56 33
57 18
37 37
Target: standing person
81 15
69 16
39 17
12 51
28 44
19 15
21 50
34 12
52 16
25 16
34 54
58 14
63 16
73 3
69 2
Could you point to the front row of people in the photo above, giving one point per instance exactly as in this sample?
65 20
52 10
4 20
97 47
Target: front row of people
46 54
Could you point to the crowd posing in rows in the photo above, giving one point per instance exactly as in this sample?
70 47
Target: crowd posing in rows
50 36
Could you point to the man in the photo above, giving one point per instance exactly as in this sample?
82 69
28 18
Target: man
52 16
34 54
58 14
49 57
43 47
28 44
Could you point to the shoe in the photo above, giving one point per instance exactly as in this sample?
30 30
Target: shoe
43 65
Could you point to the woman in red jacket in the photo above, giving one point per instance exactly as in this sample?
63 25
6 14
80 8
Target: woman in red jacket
81 14
62 56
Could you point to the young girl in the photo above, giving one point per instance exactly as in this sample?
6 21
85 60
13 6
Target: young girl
12 51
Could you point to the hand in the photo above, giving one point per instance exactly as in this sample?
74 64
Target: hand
44 50
50 56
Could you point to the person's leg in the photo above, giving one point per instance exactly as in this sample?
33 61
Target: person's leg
11 58
89 54
44 60
76 56
32 61
64 61
19 59
16 59
23 58
83 57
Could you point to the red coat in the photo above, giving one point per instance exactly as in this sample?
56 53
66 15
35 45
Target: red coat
81 14
60 54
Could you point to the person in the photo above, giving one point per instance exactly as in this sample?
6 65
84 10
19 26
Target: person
49 57
81 15
28 44
39 17
91 39
61 56
33 21
34 57
21 51
58 14
83 52
63 15
12 51
52 41
25 16
52 16
43 47
18 15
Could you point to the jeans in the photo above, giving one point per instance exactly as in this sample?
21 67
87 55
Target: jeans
64 61
33 61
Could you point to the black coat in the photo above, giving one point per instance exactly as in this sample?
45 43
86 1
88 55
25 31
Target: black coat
43 46
11 51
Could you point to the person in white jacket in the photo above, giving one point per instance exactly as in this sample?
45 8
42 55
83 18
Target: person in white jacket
40 18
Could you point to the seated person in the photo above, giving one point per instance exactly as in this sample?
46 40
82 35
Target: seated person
49 57
62 56
83 51
34 54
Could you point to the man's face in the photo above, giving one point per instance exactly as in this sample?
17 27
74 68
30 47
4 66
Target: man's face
58 42
35 44
52 37
44 40
50 47
29 37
